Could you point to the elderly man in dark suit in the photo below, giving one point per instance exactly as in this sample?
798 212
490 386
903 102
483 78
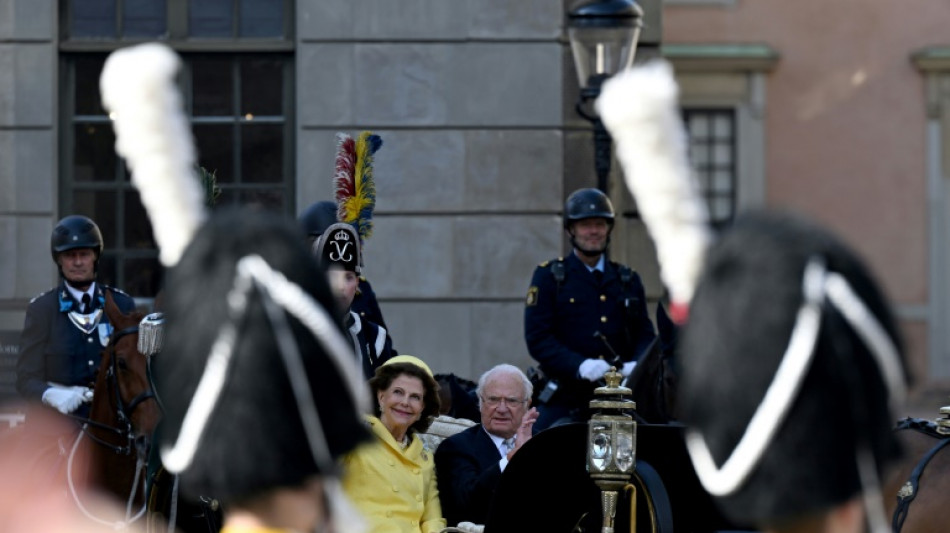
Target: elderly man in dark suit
469 464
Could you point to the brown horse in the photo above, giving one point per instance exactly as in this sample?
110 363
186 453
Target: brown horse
122 417
916 491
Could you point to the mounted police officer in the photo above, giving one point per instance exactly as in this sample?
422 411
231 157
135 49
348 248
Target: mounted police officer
66 328
583 313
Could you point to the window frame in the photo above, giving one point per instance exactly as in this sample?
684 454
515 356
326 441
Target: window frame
117 250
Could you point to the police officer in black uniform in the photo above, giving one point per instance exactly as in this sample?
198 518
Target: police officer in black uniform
66 328
314 221
583 313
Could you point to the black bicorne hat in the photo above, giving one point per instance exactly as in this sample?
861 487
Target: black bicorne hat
339 246
791 367
259 387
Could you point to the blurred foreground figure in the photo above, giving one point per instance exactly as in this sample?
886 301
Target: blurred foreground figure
791 364
259 386
791 371
31 502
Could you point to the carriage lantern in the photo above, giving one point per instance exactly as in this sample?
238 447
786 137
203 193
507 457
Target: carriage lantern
611 444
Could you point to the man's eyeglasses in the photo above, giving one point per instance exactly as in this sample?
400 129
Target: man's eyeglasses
495 401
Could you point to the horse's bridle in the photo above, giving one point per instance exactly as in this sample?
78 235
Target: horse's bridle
908 491
123 412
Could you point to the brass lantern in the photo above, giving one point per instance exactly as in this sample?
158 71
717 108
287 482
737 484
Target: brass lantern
611 444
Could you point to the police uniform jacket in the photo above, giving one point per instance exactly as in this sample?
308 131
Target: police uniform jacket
393 487
371 342
562 318
468 469
54 349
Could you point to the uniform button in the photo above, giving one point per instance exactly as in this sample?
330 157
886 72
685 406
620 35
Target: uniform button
415 470
362 313
392 463
395 488
603 297
418 498
90 362
572 300
389 514
603 319
89 339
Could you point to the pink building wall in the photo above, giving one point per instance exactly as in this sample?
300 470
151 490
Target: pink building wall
845 123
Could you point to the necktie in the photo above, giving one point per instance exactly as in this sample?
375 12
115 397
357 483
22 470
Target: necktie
86 304
508 445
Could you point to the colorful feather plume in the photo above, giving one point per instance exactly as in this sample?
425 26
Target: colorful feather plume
353 180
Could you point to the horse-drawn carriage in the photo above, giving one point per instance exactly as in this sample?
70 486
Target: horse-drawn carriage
546 487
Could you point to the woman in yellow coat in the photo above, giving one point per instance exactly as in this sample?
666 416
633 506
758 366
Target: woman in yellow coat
392 480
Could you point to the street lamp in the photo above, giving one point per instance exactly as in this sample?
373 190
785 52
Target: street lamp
603 35
612 445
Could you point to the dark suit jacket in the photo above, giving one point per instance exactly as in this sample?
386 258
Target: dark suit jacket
467 471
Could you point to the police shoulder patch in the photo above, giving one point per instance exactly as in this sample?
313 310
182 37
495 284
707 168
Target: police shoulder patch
532 298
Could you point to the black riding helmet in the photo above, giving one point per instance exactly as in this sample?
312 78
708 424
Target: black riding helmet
76 231
588 203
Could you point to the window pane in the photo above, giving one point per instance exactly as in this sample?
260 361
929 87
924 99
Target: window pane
212 87
721 208
100 206
267 199
722 154
143 276
216 150
262 153
262 18
92 18
700 155
698 127
94 158
210 18
143 18
722 127
262 86
722 181
138 231
87 70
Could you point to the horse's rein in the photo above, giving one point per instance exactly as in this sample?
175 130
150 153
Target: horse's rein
123 411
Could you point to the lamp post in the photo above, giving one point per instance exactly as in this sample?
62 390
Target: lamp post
612 446
603 35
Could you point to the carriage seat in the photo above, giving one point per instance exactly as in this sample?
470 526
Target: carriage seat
443 427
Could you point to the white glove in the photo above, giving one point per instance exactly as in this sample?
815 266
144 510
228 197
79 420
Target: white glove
593 369
469 527
66 399
628 368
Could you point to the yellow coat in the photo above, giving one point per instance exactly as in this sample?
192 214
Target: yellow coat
394 488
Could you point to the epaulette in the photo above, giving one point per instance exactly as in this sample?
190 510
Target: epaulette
42 294
113 289
363 278
544 264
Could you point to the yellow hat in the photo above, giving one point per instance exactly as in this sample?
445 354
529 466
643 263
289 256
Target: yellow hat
412 360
